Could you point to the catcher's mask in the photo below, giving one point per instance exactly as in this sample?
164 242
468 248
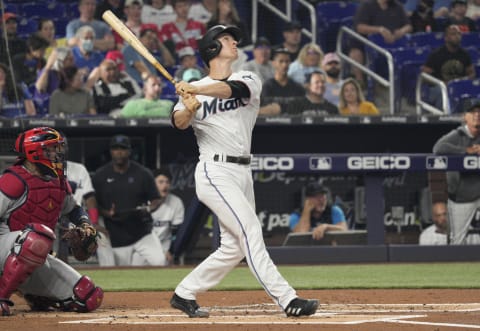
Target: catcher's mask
45 147
210 47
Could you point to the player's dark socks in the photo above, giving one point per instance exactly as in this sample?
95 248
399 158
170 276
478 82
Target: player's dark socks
189 307
301 307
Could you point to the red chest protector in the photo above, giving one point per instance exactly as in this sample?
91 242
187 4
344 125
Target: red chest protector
43 203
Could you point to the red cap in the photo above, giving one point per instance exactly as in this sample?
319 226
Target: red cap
9 16
117 57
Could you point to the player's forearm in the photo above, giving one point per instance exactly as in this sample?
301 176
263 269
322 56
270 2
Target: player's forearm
303 225
217 90
182 119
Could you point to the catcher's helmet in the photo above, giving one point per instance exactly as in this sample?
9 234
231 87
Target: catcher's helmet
210 47
34 144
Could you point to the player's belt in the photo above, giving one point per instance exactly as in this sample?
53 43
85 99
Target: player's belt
232 159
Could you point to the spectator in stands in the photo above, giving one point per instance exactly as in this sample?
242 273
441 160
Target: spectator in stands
331 67
309 60
113 89
150 105
437 233
463 187
85 56
422 19
71 98
457 16
27 65
203 10
261 64
46 29
192 75
103 36
313 103
473 10
352 101
117 57
15 44
227 14
279 91
169 216
133 13
317 214
188 60
116 6
48 78
126 195
292 38
9 105
183 31
440 7
136 65
448 62
159 13
385 17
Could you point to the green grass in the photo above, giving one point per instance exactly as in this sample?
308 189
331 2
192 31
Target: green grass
361 276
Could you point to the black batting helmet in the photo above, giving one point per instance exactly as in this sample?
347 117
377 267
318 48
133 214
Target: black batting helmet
210 47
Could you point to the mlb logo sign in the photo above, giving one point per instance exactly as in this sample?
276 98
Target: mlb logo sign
437 162
320 163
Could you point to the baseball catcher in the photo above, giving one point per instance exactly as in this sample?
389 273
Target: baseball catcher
34 193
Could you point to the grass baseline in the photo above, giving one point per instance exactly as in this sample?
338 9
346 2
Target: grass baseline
355 276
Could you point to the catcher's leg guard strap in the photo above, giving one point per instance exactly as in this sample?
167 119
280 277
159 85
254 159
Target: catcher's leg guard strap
29 252
86 296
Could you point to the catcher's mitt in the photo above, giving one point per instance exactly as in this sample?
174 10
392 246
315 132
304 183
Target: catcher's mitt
82 244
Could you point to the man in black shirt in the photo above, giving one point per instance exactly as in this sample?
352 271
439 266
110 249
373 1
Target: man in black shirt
448 62
278 91
126 194
313 103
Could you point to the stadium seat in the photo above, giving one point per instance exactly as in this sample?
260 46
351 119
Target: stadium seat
330 16
407 63
26 27
61 27
461 89
12 8
471 39
433 39
41 10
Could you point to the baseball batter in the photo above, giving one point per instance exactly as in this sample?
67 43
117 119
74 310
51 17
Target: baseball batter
33 195
223 124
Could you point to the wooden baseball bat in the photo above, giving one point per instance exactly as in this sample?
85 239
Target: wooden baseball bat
117 25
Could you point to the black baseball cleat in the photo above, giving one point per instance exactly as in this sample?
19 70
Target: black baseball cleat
301 307
189 307
5 305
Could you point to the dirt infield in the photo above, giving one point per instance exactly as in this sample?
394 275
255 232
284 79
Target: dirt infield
360 310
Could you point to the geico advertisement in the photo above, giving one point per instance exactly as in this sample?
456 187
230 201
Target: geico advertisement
272 163
471 162
378 162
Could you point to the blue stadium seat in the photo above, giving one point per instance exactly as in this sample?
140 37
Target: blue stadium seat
471 39
433 39
461 89
474 54
61 27
26 27
407 63
43 10
330 16
72 10
12 8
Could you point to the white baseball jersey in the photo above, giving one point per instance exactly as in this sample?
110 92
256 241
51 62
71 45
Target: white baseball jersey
231 133
171 212
430 236
224 126
82 184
